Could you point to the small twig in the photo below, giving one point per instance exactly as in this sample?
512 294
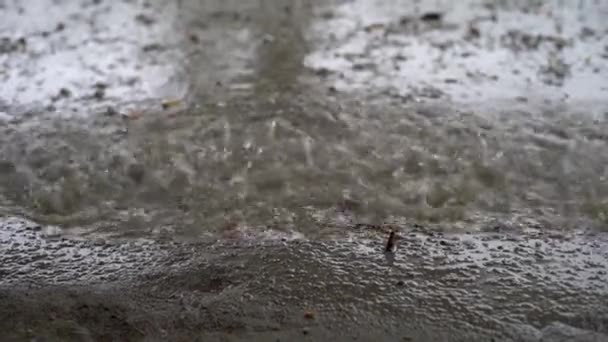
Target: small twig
391 244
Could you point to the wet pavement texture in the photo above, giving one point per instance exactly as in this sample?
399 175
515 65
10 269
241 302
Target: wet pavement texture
536 286
229 170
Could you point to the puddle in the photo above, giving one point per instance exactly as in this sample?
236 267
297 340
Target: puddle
211 119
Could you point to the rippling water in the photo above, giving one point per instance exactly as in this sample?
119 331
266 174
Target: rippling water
257 145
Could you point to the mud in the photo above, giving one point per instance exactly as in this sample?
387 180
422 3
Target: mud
228 170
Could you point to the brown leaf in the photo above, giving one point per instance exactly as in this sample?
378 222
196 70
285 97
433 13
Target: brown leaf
309 314
170 104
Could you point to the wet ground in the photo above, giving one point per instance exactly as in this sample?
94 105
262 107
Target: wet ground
229 170
535 286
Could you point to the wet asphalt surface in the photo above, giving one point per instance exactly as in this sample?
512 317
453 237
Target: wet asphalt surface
537 286
230 171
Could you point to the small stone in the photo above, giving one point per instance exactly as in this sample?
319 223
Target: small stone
64 92
431 17
309 315
144 19
400 283
152 47
100 85
99 94
473 32
322 72
136 172
306 331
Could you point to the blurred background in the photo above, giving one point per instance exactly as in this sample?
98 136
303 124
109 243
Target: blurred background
303 118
